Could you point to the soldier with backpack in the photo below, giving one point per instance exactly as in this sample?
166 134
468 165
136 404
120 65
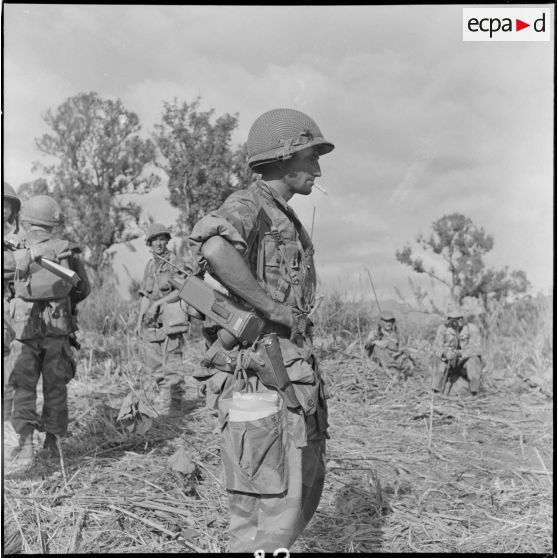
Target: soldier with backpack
11 205
42 315
163 321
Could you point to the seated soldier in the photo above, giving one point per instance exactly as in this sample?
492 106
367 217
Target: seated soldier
382 346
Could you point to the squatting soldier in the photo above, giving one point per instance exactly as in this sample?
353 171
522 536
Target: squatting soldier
255 245
382 345
43 318
11 204
458 348
163 320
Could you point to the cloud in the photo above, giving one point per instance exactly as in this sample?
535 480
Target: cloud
424 124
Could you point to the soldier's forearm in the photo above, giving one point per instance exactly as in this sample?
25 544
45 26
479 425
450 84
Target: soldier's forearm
170 297
229 267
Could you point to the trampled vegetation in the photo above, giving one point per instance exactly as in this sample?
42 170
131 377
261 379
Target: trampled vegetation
407 471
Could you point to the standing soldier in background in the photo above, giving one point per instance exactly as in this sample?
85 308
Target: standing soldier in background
163 320
43 319
255 245
382 346
11 205
458 348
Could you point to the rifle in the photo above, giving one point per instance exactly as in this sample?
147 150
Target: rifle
450 364
242 324
374 290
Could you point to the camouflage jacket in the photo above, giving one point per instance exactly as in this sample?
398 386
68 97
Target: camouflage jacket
270 238
390 337
10 243
155 283
467 341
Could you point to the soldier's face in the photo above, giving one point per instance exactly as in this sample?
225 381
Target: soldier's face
301 170
387 325
159 243
456 323
8 209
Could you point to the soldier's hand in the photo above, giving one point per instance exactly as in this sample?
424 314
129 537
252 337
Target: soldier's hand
151 312
282 315
449 354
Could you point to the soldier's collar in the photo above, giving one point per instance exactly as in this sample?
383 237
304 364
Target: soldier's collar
271 194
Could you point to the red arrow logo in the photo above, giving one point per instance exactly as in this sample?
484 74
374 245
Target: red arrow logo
519 25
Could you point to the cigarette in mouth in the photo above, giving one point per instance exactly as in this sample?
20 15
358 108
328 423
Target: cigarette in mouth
320 189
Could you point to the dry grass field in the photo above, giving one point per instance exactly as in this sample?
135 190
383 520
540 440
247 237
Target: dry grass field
407 471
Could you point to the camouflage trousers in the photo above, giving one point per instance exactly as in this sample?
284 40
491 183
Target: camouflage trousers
7 340
164 359
53 358
469 369
394 361
281 483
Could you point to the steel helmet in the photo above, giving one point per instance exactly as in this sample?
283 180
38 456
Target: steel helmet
387 316
42 210
155 229
278 133
9 193
454 312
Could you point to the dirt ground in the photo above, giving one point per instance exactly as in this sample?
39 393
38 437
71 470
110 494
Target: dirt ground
406 471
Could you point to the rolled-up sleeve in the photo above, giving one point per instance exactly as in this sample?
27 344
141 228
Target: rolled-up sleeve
233 221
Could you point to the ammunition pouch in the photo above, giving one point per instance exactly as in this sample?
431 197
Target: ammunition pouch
25 319
36 319
267 361
174 317
153 334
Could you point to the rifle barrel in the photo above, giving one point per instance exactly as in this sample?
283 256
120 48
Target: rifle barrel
374 290
64 273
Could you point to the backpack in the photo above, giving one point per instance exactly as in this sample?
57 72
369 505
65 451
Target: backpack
34 283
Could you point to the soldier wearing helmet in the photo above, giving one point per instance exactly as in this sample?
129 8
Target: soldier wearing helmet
382 345
44 320
163 321
256 246
457 347
11 205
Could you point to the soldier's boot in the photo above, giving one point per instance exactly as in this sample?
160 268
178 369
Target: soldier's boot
22 455
50 446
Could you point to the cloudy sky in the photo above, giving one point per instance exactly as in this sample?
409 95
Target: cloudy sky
424 124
